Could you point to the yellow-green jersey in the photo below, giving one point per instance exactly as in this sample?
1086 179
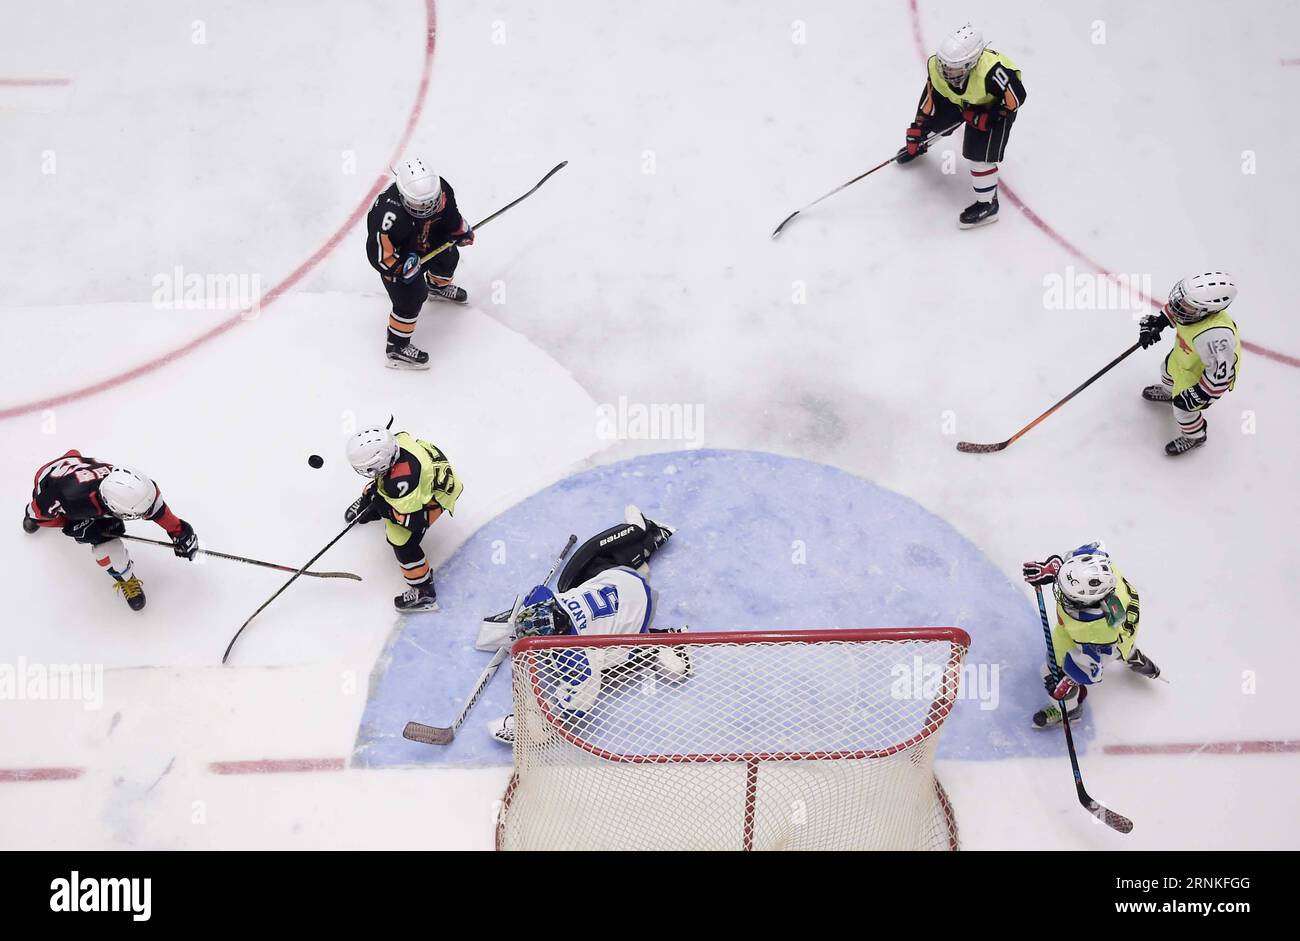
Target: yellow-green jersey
420 480
994 83
1085 638
1206 355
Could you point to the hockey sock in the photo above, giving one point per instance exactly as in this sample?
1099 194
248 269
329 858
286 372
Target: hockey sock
114 559
984 180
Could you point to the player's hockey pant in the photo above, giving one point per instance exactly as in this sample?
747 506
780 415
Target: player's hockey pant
1191 424
113 558
624 544
405 540
408 297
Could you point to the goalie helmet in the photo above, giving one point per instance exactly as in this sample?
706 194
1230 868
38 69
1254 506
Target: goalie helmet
127 493
1084 580
1197 296
958 54
541 614
419 187
372 452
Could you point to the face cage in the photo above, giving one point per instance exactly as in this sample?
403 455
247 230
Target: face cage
1180 311
956 75
423 208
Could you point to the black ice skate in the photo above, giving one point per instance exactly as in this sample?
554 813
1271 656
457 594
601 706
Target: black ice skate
132 591
977 214
417 598
657 531
1158 393
407 357
448 292
1045 718
1182 444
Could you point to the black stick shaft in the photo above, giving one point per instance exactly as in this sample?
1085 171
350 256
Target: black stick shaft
478 225
244 559
231 646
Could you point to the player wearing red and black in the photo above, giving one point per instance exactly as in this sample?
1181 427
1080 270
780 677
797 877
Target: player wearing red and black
401 229
68 493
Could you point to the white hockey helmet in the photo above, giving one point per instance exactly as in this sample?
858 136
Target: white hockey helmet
372 452
1197 296
1084 580
958 54
420 188
127 493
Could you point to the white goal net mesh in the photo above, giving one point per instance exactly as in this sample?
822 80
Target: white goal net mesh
770 740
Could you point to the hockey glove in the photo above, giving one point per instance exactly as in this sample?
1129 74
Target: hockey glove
1150 328
1058 689
185 543
915 144
978 118
411 268
464 235
367 506
1193 399
1042 573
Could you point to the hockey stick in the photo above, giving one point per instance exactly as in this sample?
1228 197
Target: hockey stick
436 735
926 142
231 646
478 225
1107 816
969 448
240 558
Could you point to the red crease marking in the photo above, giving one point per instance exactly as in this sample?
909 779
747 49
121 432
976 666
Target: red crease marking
1207 748
11 775
33 82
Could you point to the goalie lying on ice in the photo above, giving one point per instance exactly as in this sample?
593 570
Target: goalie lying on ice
604 589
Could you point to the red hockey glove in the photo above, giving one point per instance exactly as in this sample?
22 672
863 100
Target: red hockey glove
915 141
1042 573
1059 690
978 118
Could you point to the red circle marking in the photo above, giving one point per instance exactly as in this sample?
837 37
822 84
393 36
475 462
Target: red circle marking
63 398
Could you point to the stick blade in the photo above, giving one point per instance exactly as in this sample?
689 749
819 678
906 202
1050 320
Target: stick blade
427 734
967 447
777 231
1117 822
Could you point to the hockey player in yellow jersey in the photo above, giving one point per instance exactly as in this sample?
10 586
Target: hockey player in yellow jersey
1206 355
411 485
1096 623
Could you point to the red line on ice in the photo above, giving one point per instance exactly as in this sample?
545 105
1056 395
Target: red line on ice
11 775
431 19
1042 226
1206 748
277 765
33 82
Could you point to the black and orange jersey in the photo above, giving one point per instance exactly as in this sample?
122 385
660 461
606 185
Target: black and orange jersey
67 489
393 233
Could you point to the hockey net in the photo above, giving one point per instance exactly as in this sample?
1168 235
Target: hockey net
767 740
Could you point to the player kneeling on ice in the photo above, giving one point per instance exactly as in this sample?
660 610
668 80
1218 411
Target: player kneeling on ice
970 83
1096 622
604 589
1203 363
90 500
411 485
410 219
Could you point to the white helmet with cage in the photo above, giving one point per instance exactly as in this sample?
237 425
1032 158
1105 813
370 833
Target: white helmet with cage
958 53
128 494
1197 296
372 452
420 188
1085 580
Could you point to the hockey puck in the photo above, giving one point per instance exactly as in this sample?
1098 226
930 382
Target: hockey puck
316 461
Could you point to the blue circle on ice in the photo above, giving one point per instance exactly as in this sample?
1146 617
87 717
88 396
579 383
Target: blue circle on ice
762 541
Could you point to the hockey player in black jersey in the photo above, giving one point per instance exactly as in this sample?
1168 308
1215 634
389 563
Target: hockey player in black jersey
414 216
89 500
970 83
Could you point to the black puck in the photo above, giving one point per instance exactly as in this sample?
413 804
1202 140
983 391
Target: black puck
316 461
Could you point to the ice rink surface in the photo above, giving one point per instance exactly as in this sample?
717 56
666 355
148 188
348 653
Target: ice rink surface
246 141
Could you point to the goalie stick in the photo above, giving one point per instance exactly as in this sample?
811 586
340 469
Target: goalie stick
439 735
1107 816
247 561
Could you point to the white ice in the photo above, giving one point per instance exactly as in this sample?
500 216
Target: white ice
643 270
